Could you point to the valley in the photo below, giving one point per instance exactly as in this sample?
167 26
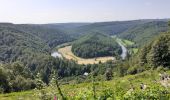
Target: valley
67 53
75 61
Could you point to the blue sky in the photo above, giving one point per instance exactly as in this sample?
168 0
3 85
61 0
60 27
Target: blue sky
58 11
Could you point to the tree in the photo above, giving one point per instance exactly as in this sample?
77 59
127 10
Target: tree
18 68
39 83
160 55
109 74
20 83
144 53
169 23
4 84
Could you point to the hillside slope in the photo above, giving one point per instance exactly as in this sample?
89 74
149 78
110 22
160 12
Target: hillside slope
145 32
14 44
52 36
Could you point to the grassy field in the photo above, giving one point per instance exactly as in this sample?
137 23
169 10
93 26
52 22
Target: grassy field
124 42
127 44
25 95
118 85
67 53
135 50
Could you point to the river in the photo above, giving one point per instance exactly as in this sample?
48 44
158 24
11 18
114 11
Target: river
56 54
123 55
124 50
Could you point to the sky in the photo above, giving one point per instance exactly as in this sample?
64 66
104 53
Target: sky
62 11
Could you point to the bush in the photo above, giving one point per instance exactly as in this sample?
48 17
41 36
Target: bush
20 83
154 92
107 94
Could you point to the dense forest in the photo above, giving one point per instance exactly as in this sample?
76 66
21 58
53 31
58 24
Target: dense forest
96 45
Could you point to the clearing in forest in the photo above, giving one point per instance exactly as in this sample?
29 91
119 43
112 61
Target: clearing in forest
67 53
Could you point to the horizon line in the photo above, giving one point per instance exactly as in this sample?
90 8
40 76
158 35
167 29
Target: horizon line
86 21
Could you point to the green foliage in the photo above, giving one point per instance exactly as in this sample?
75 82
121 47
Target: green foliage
39 83
132 70
154 92
15 78
109 74
122 88
20 83
160 54
4 84
41 92
157 52
143 54
96 45
169 23
107 94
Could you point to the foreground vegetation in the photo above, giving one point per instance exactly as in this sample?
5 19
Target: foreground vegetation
124 88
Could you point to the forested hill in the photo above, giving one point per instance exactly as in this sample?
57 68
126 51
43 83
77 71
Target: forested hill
17 39
96 45
52 36
135 30
111 28
15 43
144 32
